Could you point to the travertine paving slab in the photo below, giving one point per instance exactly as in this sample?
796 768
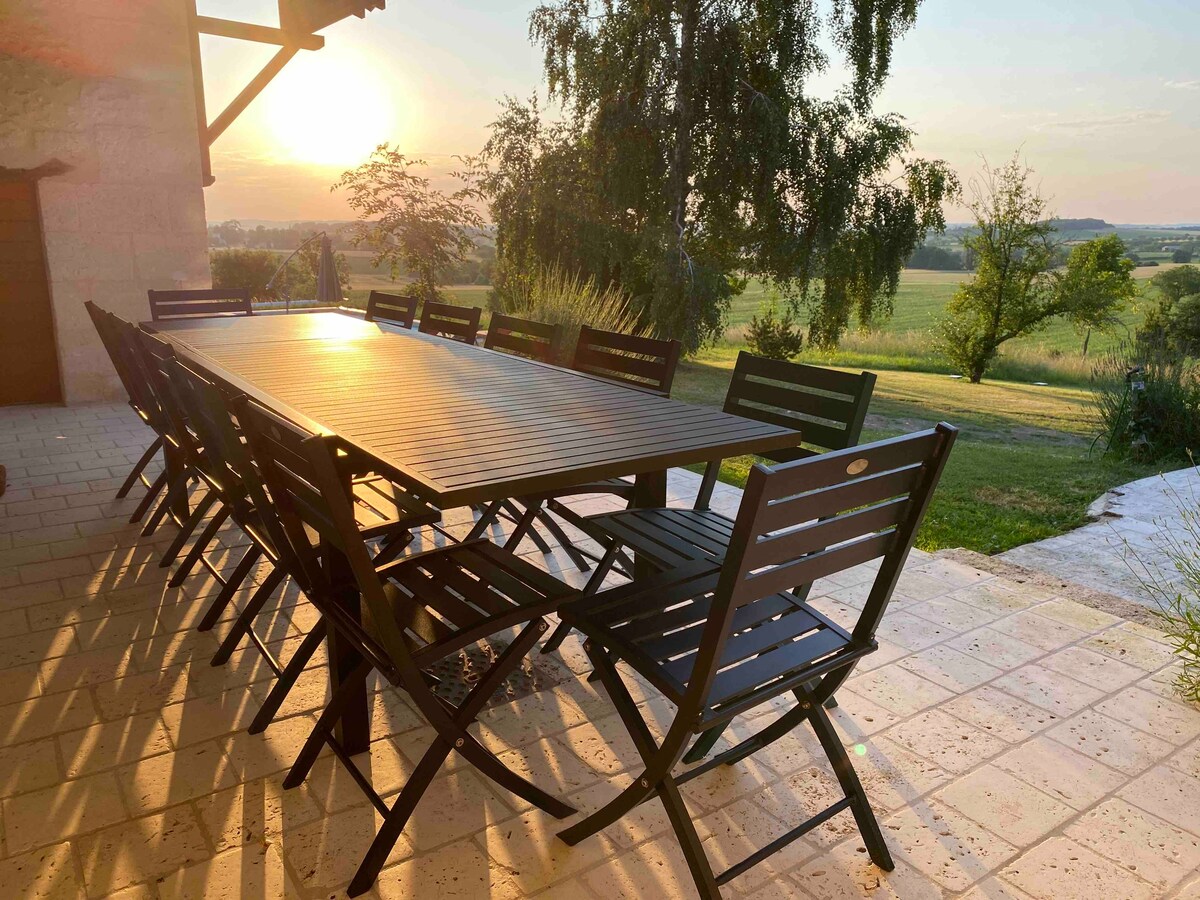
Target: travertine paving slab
1015 744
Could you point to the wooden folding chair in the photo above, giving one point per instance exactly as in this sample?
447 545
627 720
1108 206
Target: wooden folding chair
382 511
459 323
721 640
643 363
400 619
199 303
138 401
826 406
391 308
523 337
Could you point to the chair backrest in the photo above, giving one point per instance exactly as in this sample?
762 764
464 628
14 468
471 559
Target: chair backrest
312 494
459 323
157 355
229 459
391 308
828 407
106 328
640 362
523 337
192 304
140 378
810 519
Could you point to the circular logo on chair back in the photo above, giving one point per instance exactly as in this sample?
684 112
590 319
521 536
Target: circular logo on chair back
858 466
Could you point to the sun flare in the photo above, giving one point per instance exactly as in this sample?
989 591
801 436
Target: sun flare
331 114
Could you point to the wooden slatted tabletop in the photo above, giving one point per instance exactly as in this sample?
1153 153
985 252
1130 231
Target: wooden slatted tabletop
204 333
458 423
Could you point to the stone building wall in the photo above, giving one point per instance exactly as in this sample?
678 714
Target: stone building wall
105 87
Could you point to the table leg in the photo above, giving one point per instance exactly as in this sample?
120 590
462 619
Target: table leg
649 492
176 474
354 727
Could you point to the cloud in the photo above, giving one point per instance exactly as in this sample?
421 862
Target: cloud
1193 85
1093 124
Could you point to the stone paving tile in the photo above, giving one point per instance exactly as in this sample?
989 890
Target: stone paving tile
1111 742
995 716
1060 868
1005 805
1147 846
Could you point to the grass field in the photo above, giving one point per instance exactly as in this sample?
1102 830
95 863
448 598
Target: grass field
1024 467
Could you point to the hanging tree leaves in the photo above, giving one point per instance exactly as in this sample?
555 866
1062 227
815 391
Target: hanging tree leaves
694 153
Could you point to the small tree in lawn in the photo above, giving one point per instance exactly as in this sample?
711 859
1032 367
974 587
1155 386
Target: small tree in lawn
1015 290
407 222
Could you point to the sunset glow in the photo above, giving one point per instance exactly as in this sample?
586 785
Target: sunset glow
330 116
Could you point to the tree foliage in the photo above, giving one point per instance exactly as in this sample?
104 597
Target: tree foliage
1173 316
408 223
695 152
241 267
1016 290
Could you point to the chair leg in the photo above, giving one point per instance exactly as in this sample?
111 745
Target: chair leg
188 529
198 548
602 568
852 787
246 619
139 467
223 599
398 816
323 730
556 532
151 492
291 672
704 744
393 547
487 515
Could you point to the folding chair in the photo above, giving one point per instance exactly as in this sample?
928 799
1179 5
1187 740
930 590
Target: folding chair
382 511
400 619
391 308
826 406
142 405
199 303
720 640
643 363
523 337
459 323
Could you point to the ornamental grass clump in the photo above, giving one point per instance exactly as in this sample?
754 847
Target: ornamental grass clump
1177 593
557 297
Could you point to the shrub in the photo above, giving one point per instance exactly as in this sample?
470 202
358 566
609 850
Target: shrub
772 335
1178 598
1148 401
1182 255
556 297
241 267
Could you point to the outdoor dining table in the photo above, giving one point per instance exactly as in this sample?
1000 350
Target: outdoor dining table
455 423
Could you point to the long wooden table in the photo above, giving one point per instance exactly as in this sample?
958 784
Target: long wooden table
456 423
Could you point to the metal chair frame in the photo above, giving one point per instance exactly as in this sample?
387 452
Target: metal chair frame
106 328
418 610
720 640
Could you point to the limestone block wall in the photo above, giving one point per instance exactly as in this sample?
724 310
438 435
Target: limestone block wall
105 86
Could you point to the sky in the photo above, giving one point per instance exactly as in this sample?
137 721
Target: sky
1100 97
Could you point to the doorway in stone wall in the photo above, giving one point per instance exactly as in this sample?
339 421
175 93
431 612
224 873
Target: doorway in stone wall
28 354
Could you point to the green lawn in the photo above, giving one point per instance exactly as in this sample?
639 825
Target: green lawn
1023 468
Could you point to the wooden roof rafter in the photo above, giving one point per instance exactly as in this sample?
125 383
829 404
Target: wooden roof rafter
299 21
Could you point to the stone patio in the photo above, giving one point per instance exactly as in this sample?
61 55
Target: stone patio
1014 743
1126 544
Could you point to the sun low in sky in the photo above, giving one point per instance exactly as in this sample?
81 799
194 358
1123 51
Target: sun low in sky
1102 97
325 111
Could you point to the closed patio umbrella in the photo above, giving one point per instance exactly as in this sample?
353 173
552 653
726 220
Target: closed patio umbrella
329 292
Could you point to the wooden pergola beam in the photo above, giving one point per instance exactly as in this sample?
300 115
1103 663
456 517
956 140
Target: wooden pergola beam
263 34
250 91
